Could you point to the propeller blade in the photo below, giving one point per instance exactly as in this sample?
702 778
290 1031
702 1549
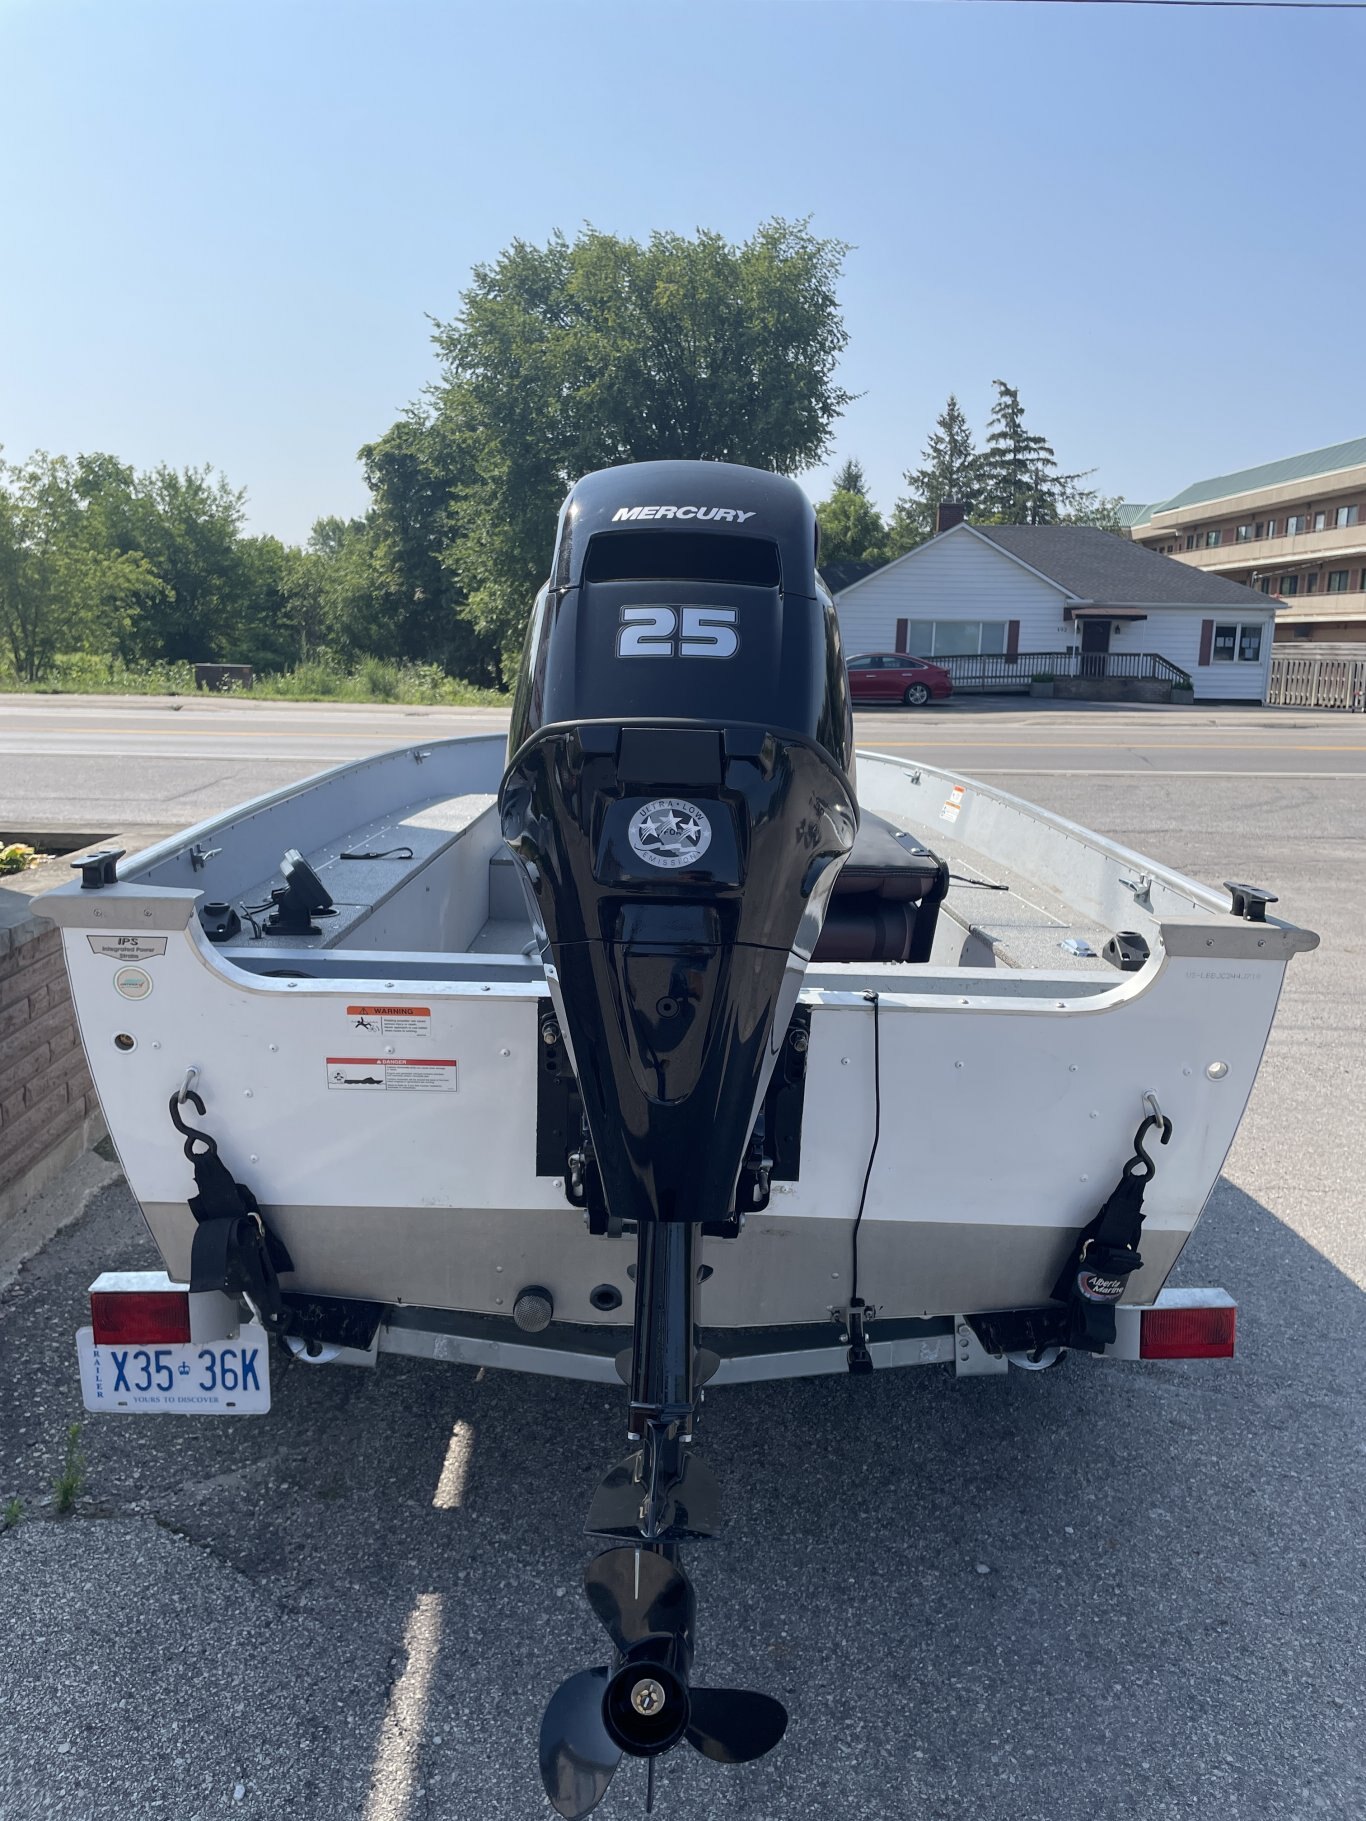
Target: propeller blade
578 1757
734 1725
638 1593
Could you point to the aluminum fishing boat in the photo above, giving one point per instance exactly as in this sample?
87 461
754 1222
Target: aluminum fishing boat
669 1041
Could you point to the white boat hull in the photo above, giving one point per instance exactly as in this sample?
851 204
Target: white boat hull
1009 1096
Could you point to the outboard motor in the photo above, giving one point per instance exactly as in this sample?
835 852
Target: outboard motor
679 794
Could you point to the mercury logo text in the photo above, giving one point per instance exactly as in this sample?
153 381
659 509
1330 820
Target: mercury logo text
728 513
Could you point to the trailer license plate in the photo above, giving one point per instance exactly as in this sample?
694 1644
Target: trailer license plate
214 1378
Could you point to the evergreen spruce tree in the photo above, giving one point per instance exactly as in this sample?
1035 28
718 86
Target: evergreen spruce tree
850 478
1021 483
950 471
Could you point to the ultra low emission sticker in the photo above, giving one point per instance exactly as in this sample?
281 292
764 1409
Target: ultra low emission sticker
390 1075
127 948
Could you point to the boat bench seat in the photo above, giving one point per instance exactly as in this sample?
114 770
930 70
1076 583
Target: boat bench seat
371 871
886 900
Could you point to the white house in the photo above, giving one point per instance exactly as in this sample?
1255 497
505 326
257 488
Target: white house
1092 602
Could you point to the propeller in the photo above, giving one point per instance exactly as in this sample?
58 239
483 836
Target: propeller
644 1705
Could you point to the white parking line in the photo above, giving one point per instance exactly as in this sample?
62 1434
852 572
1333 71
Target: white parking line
393 1778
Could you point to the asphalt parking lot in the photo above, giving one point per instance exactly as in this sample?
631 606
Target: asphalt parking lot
1135 1591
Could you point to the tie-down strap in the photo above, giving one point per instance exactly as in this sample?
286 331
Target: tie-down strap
1106 1253
233 1249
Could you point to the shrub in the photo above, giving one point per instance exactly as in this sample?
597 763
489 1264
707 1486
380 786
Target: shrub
16 858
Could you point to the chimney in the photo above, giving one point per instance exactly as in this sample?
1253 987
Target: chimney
948 514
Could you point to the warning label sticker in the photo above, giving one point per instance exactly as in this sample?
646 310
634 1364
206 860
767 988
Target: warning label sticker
952 804
391 1075
127 948
391 1020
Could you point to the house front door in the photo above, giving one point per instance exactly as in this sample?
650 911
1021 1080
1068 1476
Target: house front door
1095 643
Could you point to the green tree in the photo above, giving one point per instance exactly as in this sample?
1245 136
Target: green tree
852 530
186 526
850 478
1021 481
585 353
1098 509
61 587
415 475
950 471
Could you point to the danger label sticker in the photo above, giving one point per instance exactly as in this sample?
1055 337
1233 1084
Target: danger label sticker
391 1020
127 948
390 1075
952 804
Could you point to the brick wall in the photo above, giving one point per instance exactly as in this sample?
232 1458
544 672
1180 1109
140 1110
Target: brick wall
48 1109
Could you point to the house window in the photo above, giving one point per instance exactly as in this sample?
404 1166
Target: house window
1244 534
1237 644
1190 541
1296 523
1266 584
955 638
1288 584
1266 530
1311 582
1212 538
1320 520
1345 516
1337 580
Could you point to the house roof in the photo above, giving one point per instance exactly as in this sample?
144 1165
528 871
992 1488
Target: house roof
843 575
1094 565
1130 513
1270 474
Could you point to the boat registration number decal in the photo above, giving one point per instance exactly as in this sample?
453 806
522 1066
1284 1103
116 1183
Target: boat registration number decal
391 1020
127 948
221 1378
952 804
391 1075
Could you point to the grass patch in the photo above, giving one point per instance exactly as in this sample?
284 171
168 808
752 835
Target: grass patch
13 1515
322 679
372 680
66 1488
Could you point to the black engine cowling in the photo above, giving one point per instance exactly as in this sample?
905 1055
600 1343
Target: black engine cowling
680 795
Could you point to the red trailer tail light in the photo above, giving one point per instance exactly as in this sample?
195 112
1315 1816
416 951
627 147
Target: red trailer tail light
140 1318
1177 1333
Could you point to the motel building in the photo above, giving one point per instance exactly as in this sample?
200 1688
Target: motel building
1293 531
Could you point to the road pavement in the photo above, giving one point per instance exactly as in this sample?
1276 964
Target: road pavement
1124 1590
114 761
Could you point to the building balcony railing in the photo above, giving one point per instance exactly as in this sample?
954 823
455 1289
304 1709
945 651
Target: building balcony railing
1320 605
997 673
1306 547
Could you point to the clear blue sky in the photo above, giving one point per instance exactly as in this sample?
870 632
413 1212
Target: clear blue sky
223 226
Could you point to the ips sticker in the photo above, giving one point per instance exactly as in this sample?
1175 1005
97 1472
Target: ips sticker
127 948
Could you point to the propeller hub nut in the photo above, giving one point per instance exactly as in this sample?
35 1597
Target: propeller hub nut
647 1697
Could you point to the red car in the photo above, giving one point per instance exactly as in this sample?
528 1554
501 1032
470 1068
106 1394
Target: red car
893 676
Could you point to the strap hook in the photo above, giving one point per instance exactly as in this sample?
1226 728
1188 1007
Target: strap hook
191 1135
1141 1165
